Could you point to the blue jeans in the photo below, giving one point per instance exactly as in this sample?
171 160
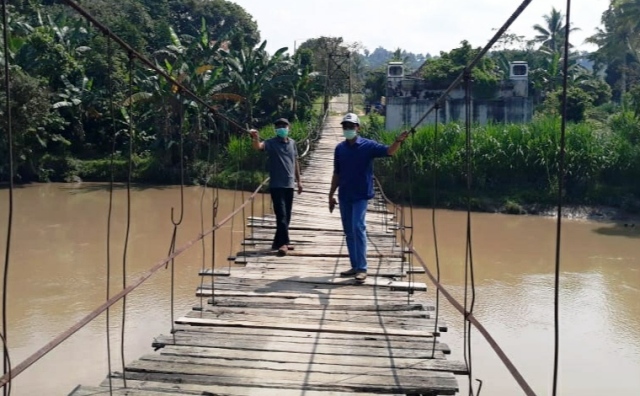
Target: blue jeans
355 228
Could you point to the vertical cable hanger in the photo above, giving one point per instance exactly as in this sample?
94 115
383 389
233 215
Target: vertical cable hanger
7 252
434 191
214 212
114 134
468 270
232 257
410 289
205 185
561 174
126 239
177 223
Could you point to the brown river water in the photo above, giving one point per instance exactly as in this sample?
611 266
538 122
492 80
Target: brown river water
58 275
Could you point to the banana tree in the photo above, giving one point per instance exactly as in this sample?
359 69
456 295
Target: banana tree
252 71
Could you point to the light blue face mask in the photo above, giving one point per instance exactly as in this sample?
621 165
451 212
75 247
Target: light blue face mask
282 132
349 133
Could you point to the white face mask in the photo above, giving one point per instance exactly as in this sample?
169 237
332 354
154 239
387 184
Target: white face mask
349 133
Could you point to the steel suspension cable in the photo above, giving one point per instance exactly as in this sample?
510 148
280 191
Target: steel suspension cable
441 99
561 174
214 213
114 133
22 366
205 185
176 224
235 193
410 289
434 190
528 391
468 271
128 229
7 252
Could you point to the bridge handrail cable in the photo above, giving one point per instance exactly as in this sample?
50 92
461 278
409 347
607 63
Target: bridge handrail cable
492 342
102 308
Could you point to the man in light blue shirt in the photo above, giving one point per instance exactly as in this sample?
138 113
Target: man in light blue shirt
284 173
353 177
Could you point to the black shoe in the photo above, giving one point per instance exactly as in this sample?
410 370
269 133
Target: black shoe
350 272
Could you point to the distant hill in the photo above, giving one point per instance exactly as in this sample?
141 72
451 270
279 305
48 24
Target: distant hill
381 56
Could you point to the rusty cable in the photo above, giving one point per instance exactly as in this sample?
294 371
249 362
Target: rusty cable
214 213
175 223
22 366
474 61
180 131
7 252
126 239
481 329
110 211
207 177
434 192
468 266
561 174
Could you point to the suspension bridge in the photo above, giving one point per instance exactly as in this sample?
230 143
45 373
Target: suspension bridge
291 325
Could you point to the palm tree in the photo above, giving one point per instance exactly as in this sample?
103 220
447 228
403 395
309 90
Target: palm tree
617 41
552 34
629 21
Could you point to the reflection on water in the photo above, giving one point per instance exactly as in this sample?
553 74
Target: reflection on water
58 275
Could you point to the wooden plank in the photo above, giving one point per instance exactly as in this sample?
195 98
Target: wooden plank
322 319
230 356
384 319
411 347
302 312
304 289
308 304
309 288
99 391
338 338
370 281
296 298
444 383
302 327
309 367
218 390
259 346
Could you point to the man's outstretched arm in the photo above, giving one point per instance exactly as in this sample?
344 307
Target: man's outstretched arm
398 142
255 140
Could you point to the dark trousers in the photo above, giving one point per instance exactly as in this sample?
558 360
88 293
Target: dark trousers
282 199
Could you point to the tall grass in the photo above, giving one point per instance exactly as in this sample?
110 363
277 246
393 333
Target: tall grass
517 162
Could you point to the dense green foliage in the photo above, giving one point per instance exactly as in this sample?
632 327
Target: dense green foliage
76 97
517 163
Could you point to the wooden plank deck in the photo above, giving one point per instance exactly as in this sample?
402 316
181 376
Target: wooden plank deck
292 326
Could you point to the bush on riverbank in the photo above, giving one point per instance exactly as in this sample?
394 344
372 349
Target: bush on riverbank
237 165
516 164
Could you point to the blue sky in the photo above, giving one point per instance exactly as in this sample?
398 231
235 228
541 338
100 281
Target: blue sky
419 26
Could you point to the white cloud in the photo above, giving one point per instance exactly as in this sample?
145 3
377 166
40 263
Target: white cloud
418 26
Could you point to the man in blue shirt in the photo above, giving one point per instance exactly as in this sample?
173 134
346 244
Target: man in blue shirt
353 175
284 173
